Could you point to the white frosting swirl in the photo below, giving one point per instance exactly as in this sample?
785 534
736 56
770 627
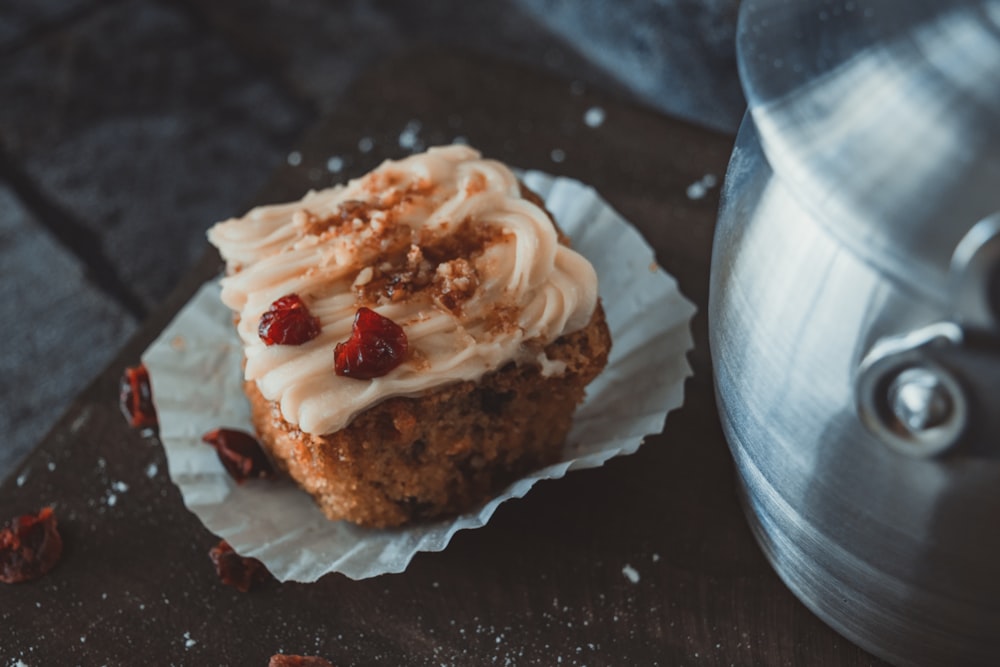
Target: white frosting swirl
518 269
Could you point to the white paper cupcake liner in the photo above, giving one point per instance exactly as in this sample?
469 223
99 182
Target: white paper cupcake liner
195 368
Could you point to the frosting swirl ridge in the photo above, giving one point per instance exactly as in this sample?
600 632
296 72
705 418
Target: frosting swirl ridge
443 243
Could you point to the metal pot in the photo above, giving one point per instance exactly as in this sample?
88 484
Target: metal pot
855 316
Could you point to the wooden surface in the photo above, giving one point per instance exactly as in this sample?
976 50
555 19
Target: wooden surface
543 583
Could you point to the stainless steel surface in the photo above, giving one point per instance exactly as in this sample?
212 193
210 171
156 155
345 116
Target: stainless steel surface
975 275
856 279
920 400
884 110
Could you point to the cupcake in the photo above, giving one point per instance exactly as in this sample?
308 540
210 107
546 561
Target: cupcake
414 340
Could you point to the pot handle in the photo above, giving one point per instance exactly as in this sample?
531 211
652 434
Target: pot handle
936 389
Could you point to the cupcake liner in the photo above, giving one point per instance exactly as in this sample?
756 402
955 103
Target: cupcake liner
195 367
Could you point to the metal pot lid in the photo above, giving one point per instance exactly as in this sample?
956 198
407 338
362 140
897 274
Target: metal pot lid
883 117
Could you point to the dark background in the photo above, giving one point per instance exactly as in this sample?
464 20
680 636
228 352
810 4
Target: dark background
127 127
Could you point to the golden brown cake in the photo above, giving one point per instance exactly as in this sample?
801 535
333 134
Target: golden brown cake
414 340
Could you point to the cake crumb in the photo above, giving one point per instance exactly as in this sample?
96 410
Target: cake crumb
366 144
558 155
294 158
151 470
188 642
22 478
631 574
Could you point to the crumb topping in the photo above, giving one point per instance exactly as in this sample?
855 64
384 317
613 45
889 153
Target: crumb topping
448 245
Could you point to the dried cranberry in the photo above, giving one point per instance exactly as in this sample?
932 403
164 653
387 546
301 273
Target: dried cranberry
235 570
240 454
376 346
135 397
282 660
288 322
30 546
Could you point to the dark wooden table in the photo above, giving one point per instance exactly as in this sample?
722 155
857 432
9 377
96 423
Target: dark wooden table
543 583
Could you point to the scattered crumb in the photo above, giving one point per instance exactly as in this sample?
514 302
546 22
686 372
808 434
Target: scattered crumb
188 642
653 267
335 164
594 117
366 144
111 500
631 574
80 420
51 466
294 158
700 188
22 478
120 487
178 343
656 558
557 155
151 470
409 138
